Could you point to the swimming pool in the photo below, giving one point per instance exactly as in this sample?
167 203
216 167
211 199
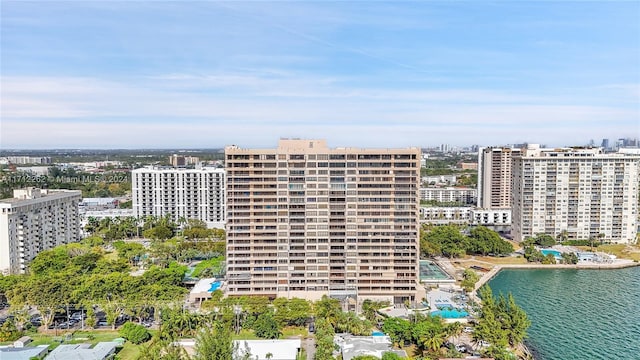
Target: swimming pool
377 333
215 286
557 254
450 314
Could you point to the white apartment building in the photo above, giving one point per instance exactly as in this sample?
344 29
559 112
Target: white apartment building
439 179
441 215
305 220
24 160
490 217
449 195
580 193
494 176
35 220
181 193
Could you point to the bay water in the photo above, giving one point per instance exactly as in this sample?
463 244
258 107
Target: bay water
577 314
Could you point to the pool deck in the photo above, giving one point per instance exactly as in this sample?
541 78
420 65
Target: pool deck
438 296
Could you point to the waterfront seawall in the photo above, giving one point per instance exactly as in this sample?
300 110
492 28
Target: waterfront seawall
620 264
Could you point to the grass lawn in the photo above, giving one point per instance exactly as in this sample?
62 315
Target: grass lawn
293 331
245 334
129 351
622 251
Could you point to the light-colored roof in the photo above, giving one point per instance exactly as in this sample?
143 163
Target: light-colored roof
83 351
98 201
25 353
52 195
353 346
279 349
203 285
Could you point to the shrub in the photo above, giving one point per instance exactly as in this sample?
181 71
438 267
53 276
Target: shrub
135 333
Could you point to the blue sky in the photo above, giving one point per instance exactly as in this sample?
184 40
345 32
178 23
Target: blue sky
139 74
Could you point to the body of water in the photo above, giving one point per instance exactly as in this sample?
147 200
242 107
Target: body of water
578 314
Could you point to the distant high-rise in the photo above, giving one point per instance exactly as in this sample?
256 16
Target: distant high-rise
181 193
576 194
494 176
305 220
605 144
35 220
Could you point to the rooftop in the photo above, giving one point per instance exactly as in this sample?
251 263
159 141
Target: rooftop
279 349
353 346
25 353
83 351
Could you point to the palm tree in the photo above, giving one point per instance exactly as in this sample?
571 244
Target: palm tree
454 330
433 342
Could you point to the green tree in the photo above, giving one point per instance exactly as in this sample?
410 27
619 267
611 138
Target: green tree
266 326
450 241
214 342
299 311
399 330
162 348
324 340
329 309
9 331
469 280
137 334
545 240
131 252
391 356
483 240
370 308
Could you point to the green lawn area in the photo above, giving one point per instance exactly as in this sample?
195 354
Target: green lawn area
129 351
622 251
245 334
291 331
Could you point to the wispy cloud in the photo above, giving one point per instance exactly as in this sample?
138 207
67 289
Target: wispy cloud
168 73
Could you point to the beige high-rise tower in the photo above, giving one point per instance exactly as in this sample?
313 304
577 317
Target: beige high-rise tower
304 220
494 176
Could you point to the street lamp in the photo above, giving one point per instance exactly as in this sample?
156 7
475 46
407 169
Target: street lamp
237 310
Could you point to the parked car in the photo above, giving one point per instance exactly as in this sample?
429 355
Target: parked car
461 348
78 316
102 323
483 343
468 330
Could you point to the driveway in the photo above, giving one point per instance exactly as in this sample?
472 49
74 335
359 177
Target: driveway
309 346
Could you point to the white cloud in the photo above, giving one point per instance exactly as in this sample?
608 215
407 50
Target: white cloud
190 110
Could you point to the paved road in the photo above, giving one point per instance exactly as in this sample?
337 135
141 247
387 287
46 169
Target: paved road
309 346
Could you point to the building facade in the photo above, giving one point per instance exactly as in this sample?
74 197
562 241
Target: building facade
494 176
35 220
305 220
181 193
575 194
449 195
442 215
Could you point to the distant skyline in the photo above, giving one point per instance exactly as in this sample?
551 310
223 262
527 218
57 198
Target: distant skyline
146 74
